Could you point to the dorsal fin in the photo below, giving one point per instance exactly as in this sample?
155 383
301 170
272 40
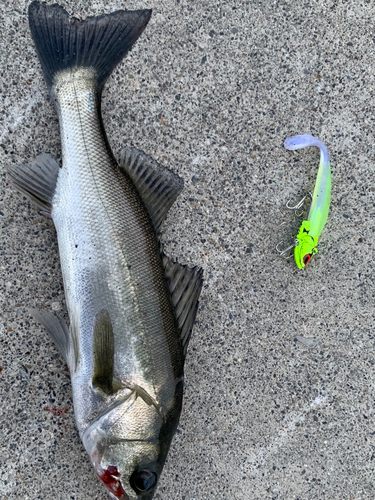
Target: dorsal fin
102 374
185 284
157 185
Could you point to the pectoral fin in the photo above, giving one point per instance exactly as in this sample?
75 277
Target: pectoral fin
102 376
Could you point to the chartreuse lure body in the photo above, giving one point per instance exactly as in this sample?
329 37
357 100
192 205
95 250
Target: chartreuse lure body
310 230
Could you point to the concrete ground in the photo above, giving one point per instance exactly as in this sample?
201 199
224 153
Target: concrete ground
279 399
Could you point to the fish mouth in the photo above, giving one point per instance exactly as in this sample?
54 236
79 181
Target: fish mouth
113 496
110 479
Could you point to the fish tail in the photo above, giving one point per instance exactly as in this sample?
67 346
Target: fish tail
64 42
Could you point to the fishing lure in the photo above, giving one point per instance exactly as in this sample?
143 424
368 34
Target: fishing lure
305 245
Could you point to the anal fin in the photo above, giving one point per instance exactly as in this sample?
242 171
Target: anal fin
37 180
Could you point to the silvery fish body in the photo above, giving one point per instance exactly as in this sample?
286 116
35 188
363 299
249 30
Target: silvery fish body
131 309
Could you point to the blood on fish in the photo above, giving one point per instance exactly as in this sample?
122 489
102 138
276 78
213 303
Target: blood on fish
109 478
111 471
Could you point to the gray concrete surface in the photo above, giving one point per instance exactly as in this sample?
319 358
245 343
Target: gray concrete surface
212 89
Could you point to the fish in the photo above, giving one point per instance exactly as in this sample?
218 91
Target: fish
305 244
131 308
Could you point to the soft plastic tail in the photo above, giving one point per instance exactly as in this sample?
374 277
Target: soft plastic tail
64 42
303 141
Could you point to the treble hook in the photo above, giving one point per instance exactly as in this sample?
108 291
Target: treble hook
299 204
283 253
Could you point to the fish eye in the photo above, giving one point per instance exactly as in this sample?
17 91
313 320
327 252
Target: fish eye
306 258
142 480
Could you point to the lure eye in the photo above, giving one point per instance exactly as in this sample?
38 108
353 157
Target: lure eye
142 480
306 258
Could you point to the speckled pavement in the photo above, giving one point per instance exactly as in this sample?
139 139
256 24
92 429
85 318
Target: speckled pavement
212 89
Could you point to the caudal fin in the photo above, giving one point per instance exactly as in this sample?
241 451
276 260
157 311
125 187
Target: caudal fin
64 42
